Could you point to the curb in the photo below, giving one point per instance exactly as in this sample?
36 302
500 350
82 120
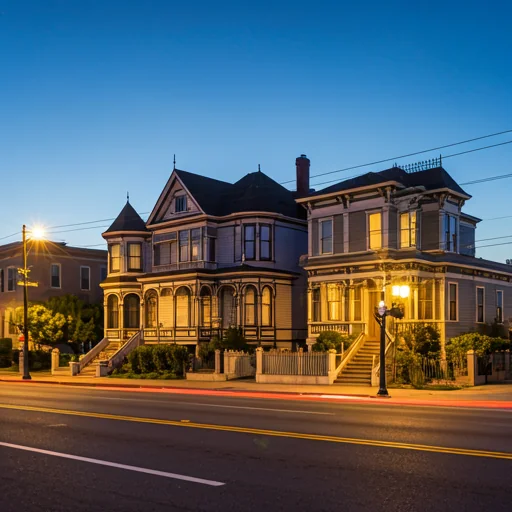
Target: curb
175 388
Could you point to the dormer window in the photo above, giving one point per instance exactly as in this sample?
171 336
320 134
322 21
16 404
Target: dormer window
408 226
181 204
450 226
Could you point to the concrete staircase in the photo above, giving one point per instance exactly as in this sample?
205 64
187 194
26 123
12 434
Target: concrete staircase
90 369
358 371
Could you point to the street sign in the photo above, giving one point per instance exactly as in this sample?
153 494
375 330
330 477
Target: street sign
29 283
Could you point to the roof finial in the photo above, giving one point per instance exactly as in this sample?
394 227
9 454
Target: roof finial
259 168
174 163
440 160
127 197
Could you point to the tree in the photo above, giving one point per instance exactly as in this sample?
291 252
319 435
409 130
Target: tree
44 326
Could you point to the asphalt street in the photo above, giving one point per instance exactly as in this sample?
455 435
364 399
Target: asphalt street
78 449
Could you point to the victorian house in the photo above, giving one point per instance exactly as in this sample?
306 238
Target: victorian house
211 255
400 236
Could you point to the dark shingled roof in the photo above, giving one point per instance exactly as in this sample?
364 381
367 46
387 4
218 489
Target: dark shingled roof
128 220
254 192
431 179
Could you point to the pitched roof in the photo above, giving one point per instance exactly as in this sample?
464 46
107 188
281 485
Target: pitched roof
128 221
254 192
431 179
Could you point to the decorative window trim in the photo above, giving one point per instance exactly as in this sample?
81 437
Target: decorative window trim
110 257
253 241
368 233
456 319
60 276
409 214
88 279
270 239
483 305
128 257
502 320
320 248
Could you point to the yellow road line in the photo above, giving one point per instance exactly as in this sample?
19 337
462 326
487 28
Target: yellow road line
272 433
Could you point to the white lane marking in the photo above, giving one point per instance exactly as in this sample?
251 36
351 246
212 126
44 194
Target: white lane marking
216 405
57 425
174 476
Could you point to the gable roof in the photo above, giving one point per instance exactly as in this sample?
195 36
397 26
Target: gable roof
254 192
128 220
431 179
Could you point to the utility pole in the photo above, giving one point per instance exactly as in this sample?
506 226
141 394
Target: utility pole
26 372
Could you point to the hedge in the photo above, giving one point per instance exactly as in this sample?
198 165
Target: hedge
37 359
158 358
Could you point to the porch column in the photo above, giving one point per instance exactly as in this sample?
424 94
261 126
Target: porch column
323 302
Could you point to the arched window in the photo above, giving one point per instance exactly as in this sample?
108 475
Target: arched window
266 307
206 307
228 307
131 311
183 307
112 312
250 306
150 309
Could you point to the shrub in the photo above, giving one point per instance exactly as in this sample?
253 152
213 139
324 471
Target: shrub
427 341
37 359
133 361
328 340
5 346
457 347
156 359
146 362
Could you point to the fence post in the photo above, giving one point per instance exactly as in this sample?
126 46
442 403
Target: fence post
332 361
472 367
55 360
227 369
300 362
217 361
259 361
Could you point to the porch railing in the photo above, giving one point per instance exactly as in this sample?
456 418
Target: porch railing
341 327
93 353
349 354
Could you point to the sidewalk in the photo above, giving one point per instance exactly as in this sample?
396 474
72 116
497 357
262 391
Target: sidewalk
499 395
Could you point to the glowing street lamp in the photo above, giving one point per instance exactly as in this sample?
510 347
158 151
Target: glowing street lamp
37 234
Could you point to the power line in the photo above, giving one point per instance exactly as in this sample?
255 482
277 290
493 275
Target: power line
407 155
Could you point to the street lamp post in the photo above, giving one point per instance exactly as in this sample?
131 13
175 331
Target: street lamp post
382 363
26 372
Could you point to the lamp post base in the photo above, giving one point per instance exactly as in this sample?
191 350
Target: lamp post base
383 393
26 377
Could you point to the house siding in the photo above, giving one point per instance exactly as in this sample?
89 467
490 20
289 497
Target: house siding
357 226
338 234
225 249
466 239
430 230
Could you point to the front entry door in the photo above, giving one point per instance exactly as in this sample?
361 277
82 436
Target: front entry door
374 297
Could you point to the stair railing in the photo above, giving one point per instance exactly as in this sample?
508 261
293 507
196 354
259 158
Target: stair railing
93 353
117 358
349 354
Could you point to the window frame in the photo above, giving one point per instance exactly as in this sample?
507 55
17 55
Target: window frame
251 305
316 304
451 239
184 242
424 302
182 201
112 319
409 214
369 232
195 243
336 302
267 306
59 266
477 305
269 241
129 257
246 241
82 267
112 258
449 301
12 279
502 320
321 239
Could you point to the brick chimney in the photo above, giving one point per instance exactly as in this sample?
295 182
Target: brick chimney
302 165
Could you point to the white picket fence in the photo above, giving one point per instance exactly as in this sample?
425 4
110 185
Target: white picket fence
277 362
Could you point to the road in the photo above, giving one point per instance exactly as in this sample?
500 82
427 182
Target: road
105 450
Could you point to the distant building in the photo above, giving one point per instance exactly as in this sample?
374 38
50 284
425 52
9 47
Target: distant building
212 255
56 268
400 236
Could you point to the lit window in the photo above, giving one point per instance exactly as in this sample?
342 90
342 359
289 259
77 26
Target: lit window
375 230
408 229
115 257
452 291
112 312
499 306
333 302
85 278
134 256
480 304
357 304
183 307
266 307
250 241
325 236
151 307
131 308
425 301
250 305
195 235
265 242
55 275
181 204
206 307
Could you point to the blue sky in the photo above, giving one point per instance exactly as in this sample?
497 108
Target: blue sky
97 96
